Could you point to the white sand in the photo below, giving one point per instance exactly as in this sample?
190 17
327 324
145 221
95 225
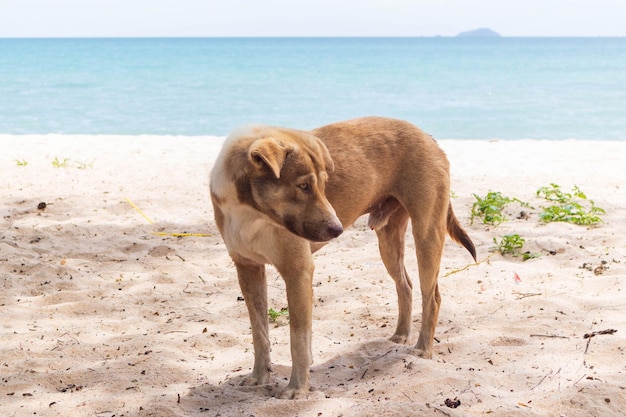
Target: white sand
99 316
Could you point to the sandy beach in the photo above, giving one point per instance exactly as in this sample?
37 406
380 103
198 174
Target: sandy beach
119 298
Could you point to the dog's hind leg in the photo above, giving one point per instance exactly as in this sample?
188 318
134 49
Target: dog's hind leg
429 241
391 247
253 283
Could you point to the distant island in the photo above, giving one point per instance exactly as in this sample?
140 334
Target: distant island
479 33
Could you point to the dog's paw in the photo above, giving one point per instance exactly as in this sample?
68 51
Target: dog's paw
422 353
253 380
294 394
399 338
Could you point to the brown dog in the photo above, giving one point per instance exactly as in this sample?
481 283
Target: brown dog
280 194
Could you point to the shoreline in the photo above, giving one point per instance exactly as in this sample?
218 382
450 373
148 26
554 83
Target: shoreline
181 136
102 314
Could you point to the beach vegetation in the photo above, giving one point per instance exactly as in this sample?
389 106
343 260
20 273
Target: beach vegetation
274 315
509 244
529 255
489 208
571 207
21 162
84 165
512 244
57 163
68 163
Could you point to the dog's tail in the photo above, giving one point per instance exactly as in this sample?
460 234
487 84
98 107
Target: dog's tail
459 235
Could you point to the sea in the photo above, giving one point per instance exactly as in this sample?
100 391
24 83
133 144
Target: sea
453 88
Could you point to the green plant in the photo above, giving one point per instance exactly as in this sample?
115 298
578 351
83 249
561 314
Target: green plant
84 165
529 255
569 207
555 193
489 208
58 164
512 244
274 315
21 163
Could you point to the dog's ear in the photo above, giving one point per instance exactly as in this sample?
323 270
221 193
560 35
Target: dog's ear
323 151
328 160
268 152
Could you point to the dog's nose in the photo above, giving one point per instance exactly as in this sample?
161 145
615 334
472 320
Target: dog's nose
335 229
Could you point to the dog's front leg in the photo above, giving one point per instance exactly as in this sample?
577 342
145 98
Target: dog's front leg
253 283
298 276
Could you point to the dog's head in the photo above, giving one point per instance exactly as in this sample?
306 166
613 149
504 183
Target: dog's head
284 176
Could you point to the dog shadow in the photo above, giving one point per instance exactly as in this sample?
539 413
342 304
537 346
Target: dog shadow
348 371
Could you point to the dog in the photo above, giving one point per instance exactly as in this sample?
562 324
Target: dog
280 194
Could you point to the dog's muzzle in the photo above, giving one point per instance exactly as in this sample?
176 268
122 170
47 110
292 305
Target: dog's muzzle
334 230
324 232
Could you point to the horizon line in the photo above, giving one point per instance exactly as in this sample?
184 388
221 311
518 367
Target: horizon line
312 37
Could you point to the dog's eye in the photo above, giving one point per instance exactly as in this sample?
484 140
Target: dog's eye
305 187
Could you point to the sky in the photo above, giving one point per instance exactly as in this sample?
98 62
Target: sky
201 18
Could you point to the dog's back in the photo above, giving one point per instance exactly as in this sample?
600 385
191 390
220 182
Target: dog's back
382 164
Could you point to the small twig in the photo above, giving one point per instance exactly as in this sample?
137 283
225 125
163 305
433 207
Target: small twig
592 334
552 336
521 296
407 396
543 379
454 271
133 205
589 336
579 379
68 335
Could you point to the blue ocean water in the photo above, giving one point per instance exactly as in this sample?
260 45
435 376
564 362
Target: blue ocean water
478 88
